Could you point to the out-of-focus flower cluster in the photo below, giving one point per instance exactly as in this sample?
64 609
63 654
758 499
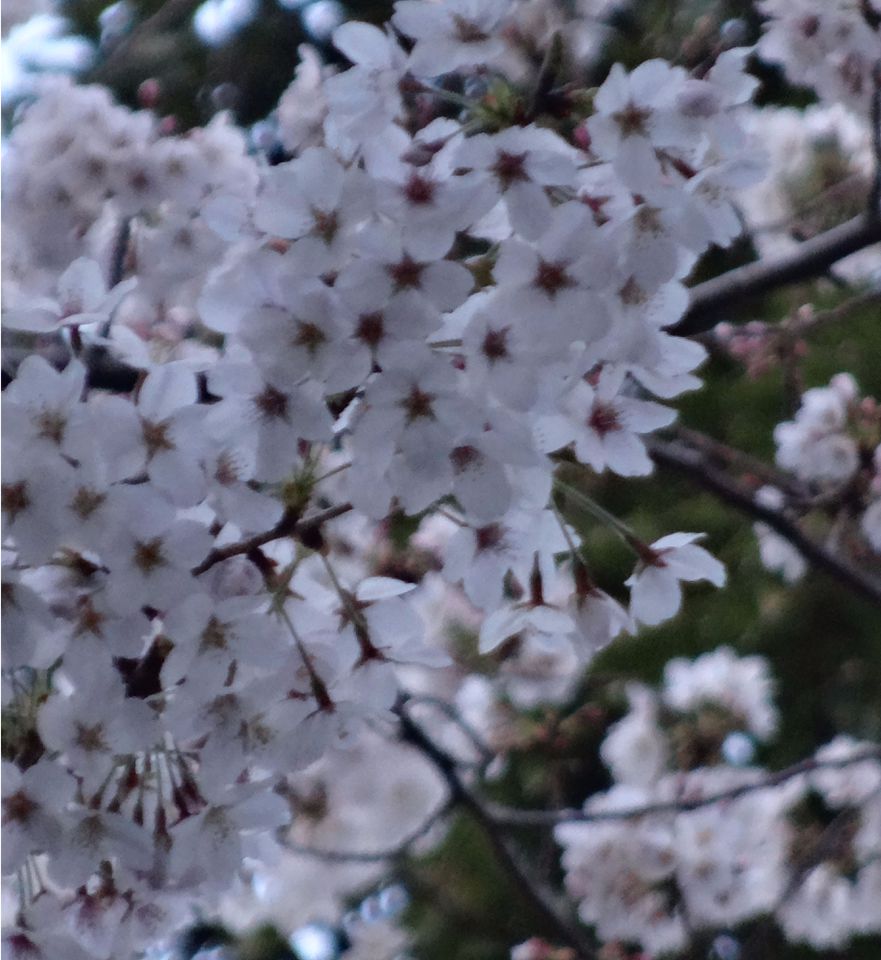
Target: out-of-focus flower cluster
828 45
804 851
833 446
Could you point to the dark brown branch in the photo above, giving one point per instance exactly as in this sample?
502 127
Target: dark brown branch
545 818
487 755
724 456
695 466
874 210
288 526
119 253
460 795
711 300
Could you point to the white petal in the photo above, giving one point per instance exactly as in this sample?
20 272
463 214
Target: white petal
376 588
655 595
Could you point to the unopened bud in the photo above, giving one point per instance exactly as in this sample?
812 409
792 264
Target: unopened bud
149 92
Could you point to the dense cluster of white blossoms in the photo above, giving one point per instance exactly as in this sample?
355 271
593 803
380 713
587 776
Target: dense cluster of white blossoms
234 380
834 446
829 45
657 878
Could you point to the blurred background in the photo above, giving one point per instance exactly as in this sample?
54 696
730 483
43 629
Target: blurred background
190 60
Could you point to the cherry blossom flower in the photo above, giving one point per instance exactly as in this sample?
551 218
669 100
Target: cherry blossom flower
655 594
458 33
96 722
605 425
81 297
34 802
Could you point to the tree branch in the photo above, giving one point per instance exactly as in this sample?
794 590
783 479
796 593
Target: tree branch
545 818
460 795
286 527
724 456
695 466
399 850
710 300
874 211
487 755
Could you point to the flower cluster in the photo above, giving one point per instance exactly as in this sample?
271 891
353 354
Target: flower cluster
231 382
690 864
833 446
830 45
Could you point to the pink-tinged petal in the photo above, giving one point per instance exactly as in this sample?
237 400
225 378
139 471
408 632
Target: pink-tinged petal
264 811
187 543
115 296
476 152
364 286
229 293
653 77
667 305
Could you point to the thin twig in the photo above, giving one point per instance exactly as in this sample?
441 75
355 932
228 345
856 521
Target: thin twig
724 455
286 527
796 326
545 818
400 849
793 223
696 467
712 299
824 318
451 713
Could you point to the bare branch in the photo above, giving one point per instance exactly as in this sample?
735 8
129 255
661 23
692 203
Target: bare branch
286 527
546 818
451 713
695 465
725 456
874 210
531 890
710 300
